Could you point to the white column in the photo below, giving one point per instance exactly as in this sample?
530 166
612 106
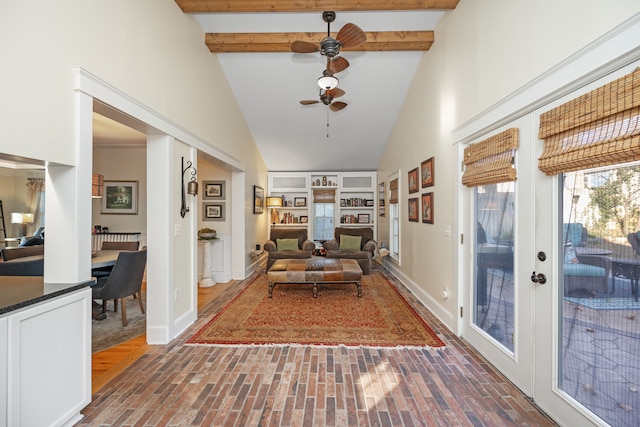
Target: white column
207 275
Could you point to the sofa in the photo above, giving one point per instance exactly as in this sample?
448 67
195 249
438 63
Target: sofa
281 245
21 252
22 268
353 243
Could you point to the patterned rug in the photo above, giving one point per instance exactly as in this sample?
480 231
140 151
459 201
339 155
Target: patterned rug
337 317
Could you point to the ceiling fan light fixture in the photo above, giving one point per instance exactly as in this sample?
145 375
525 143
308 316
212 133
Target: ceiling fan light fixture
328 82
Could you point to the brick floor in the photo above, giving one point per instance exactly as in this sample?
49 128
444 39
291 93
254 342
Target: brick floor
177 385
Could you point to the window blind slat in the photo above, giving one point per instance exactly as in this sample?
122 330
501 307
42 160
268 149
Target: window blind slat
393 191
600 128
490 161
324 196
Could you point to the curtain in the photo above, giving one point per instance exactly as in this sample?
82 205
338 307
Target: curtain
599 128
490 161
35 190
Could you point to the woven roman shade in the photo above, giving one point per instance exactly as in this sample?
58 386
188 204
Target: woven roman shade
324 195
393 191
599 128
491 161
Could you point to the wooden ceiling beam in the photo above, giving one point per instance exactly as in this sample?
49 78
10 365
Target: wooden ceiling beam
281 42
220 6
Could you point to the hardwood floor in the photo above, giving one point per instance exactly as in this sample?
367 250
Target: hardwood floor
107 364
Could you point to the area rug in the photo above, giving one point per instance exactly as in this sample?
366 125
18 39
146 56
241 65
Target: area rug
110 332
337 317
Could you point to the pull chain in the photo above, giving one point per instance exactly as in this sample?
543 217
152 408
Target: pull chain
327 122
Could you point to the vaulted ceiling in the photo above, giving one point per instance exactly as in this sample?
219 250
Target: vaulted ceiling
252 39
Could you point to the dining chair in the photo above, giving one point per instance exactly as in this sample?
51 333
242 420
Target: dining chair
120 246
113 246
125 280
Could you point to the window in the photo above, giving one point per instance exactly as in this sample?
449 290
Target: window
394 217
323 221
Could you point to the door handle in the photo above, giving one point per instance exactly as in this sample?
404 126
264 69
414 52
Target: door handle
538 278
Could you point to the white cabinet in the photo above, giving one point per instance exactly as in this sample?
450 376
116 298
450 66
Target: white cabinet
45 361
357 199
293 187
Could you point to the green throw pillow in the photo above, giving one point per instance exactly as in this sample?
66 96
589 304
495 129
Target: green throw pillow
351 243
287 244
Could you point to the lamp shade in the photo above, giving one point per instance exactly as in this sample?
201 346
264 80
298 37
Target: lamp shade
97 182
274 202
21 218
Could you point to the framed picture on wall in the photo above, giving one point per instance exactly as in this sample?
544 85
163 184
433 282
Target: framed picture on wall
213 190
414 207
213 212
427 172
413 181
258 199
120 197
427 208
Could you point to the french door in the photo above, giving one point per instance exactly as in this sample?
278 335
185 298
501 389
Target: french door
500 294
553 282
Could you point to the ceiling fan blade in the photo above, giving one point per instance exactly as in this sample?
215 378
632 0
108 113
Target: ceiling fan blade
300 46
309 101
335 93
351 36
338 64
337 106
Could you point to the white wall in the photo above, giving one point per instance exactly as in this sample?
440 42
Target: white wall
483 51
122 164
147 49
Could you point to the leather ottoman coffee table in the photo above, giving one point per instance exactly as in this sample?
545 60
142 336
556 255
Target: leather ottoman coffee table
313 271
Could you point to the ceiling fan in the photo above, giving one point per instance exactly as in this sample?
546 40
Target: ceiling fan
327 98
349 36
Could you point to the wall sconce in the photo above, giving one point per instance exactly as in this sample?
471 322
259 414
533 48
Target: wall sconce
97 182
22 219
192 187
274 203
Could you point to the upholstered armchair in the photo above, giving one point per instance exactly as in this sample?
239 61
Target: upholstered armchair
353 243
288 243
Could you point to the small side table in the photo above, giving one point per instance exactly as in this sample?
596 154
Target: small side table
207 275
255 253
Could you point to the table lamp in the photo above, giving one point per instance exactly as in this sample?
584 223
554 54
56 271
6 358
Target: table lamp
274 203
22 219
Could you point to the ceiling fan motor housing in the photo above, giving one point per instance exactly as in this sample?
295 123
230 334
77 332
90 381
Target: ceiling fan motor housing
330 47
326 99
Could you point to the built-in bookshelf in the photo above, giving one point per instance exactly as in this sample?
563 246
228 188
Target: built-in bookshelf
354 195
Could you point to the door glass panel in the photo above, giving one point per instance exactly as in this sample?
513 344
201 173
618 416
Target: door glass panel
600 313
494 283
323 221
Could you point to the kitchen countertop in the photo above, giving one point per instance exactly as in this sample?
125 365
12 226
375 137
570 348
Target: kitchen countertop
17 292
